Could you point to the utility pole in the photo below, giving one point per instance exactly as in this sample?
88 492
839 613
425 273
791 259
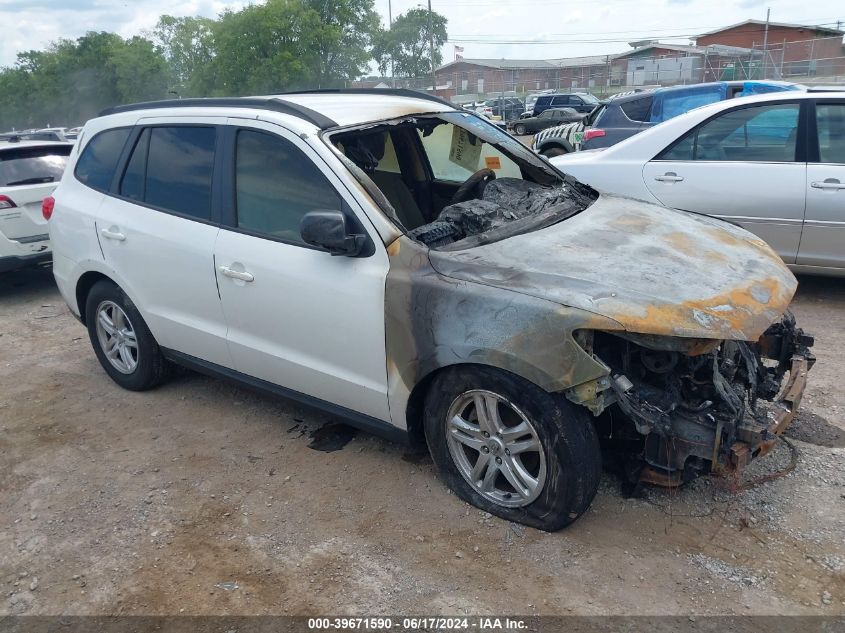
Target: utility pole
390 23
766 43
431 41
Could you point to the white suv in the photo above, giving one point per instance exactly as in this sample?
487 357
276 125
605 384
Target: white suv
29 172
412 269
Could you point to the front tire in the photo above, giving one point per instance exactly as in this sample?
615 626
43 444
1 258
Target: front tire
519 129
122 341
551 152
507 447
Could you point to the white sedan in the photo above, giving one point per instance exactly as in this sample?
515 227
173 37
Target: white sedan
775 164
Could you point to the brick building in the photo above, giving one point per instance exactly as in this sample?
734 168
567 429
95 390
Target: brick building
793 49
656 63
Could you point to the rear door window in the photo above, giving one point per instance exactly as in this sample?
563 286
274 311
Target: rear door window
33 165
179 168
171 168
98 162
830 124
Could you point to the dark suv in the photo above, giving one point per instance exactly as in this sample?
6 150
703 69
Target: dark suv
581 101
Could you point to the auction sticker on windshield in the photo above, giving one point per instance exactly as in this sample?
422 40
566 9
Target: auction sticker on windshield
464 152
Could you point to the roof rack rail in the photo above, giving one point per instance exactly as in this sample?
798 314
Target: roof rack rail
396 92
272 103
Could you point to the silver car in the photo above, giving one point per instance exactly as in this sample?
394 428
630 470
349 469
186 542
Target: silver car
774 164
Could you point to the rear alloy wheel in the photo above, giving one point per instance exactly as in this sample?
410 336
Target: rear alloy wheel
121 339
510 448
117 337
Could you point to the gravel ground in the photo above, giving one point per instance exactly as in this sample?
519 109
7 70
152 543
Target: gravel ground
204 498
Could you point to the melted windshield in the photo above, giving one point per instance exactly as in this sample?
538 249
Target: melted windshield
455 180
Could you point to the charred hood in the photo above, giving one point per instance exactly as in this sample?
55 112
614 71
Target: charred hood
651 269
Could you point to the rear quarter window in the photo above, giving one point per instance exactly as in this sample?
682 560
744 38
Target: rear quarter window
637 109
33 165
98 162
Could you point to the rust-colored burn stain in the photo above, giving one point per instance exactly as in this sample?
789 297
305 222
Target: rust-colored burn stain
729 239
394 247
680 241
748 309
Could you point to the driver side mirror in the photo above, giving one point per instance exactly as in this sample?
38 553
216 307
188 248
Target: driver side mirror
328 229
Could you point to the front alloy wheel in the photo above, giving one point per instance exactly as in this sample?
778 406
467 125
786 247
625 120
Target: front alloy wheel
511 448
495 448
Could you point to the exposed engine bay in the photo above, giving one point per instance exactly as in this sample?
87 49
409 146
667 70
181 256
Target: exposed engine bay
689 406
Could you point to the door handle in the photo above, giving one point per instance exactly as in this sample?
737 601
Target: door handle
669 176
112 235
828 183
236 274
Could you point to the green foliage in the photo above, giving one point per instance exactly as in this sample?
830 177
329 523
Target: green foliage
188 47
74 79
266 47
408 43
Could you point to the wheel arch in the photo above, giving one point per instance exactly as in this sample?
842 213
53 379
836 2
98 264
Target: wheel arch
560 143
83 287
415 405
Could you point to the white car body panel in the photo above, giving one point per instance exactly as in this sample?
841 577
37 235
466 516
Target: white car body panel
775 213
775 200
310 322
824 222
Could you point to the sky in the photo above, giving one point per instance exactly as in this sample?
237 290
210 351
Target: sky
523 29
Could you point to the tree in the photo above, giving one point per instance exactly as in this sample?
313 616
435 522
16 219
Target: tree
288 44
188 46
408 43
74 79
344 41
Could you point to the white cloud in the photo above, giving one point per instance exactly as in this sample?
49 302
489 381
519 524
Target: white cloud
598 27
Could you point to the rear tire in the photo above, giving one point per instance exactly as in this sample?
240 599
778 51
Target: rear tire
122 341
545 453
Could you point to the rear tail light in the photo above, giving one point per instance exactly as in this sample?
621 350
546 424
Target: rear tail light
47 207
593 133
6 202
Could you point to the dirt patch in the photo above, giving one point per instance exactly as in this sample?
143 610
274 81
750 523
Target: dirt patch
201 498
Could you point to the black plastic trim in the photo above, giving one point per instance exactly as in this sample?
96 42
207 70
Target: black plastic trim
16 262
31 239
276 105
354 418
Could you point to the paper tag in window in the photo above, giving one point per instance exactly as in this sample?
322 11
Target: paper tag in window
463 152
492 162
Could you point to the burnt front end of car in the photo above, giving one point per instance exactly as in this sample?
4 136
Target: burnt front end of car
677 408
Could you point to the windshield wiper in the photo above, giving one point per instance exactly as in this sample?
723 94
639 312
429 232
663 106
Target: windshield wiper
31 181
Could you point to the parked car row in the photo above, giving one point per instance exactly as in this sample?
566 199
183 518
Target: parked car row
629 113
507 316
61 134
